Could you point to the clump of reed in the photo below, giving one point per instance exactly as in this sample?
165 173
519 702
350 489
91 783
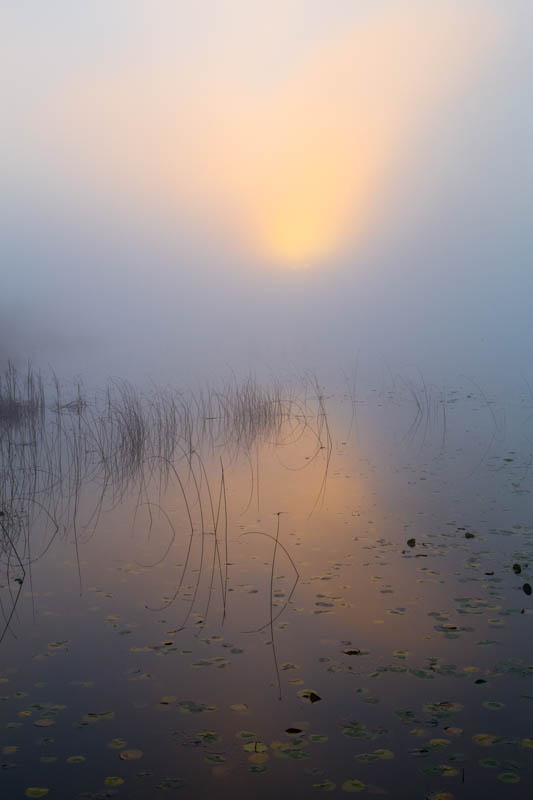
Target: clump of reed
58 440
22 397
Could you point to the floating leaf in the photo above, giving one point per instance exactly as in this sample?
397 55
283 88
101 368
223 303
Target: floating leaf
493 705
246 735
489 763
171 783
325 786
442 709
353 785
113 780
367 758
255 747
358 730
130 755
486 739
91 718
296 754
384 755
117 744
309 696
438 744
440 796
258 758
190 707
453 731
208 737
214 758
75 759
444 770
401 654
509 777
36 791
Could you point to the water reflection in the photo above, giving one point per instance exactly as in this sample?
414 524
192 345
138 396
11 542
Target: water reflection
235 546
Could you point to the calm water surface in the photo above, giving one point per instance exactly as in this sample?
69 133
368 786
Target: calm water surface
338 602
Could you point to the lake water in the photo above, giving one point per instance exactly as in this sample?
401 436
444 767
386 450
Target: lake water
330 596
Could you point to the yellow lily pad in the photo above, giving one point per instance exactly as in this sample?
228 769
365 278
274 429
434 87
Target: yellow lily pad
353 785
130 755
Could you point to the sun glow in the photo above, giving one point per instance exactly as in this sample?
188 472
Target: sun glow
303 202
293 173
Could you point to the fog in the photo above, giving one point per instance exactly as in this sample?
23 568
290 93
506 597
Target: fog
268 187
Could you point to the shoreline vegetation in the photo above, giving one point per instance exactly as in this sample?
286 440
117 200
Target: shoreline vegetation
61 443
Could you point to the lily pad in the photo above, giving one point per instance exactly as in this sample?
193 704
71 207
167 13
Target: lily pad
486 739
255 747
130 755
113 780
171 783
353 785
509 777
309 696
214 758
117 744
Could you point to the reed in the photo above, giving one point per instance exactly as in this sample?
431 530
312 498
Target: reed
59 442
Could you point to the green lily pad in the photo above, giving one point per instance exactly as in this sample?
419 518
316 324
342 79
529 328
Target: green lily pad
353 785
493 705
246 735
171 783
113 780
117 744
325 786
384 755
190 707
509 777
255 747
208 737
214 758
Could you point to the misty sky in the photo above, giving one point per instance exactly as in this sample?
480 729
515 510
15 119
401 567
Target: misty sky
194 186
